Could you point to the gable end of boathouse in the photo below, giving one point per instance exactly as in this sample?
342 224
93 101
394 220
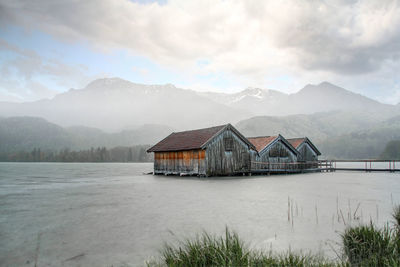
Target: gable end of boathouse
219 150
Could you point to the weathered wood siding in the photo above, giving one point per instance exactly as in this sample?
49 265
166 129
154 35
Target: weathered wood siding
180 162
227 154
306 153
276 153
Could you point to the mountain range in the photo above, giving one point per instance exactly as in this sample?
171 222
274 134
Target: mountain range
310 99
27 133
114 112
114 104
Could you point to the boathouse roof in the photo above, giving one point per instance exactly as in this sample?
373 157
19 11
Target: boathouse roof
193 139
262 142
296 142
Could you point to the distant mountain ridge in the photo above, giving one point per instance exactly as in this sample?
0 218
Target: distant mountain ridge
317 126
27 133
115 112
344 135
336 134
365 143
112 104
323 97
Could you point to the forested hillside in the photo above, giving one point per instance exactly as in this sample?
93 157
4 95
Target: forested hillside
368 143
27 133
35 139
112 104
340 135
99 154
392 150
112 112
345 135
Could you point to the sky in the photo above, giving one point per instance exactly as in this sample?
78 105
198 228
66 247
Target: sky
48 47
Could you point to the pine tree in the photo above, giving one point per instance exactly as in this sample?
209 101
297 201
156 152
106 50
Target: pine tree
130 155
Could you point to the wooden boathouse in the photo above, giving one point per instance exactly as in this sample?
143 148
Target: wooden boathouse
223 150
219 150
308 152
273 152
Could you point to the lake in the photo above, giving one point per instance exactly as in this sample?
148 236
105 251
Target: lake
111 214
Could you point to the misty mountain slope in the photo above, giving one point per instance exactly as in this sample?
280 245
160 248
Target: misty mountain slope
26 133
328 97
112 104
391 151
324 97
363 144
85 137
257 101
366 143
337 134
290 126
318 126
341 135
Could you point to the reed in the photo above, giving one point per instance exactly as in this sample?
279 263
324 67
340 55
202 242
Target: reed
208 250
229 250
366 245
363 245
396 216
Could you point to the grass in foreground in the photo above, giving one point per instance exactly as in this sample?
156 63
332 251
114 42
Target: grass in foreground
363 245
368 246
229 250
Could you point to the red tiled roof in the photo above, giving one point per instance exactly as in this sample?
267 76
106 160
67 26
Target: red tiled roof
295 142
186 140
261 142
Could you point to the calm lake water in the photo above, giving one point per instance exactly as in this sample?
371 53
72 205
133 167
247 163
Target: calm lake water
83 214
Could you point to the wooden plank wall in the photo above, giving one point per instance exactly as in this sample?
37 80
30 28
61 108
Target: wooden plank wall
177 162
219 161
277 153
307 153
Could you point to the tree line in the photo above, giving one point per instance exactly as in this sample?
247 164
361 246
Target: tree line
100 154
392 150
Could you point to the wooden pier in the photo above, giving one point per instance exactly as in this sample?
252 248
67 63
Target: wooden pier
283 167
363 165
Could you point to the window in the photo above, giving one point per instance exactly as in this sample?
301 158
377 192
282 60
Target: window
228 143
274 152
283 153
278 151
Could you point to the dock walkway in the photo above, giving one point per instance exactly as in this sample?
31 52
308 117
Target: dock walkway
363 165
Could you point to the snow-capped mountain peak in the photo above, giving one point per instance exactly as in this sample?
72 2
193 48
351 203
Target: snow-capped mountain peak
254 92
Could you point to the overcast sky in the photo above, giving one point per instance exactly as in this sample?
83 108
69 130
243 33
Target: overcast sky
48 47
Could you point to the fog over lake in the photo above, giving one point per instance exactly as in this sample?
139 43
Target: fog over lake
88 214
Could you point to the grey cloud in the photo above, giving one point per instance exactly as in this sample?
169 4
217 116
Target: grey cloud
348 39
342 37
18 75
16 90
